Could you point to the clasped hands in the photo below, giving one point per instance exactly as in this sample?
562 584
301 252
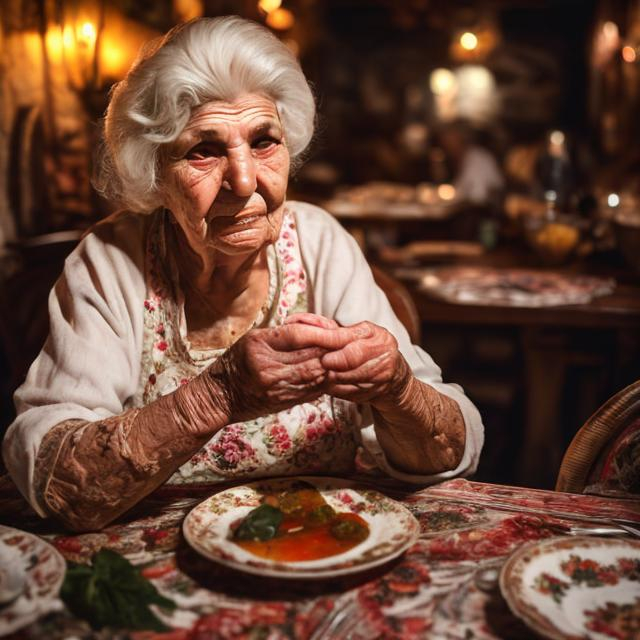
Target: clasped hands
269 370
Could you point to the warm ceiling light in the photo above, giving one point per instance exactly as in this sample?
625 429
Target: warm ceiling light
269 5
88 32
468 41
441 81
446 192
557 138
629 54
68 40
610 29
281 19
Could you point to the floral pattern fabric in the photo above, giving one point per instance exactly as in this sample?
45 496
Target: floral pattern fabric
317 436
437 589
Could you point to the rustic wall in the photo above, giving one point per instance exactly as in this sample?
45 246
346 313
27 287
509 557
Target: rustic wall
43 129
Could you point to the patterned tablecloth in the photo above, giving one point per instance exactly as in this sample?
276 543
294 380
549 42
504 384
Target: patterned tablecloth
432 591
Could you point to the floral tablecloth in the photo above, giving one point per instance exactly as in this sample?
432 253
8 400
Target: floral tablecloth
433 591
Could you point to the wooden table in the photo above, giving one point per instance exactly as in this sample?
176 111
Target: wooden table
620 310
367 222
431 591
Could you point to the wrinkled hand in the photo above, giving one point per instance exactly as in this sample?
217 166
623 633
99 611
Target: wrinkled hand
269 370
367 369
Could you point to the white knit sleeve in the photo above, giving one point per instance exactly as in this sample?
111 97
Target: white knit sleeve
89 366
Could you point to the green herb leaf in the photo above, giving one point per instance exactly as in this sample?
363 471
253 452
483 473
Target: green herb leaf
112 593
259 524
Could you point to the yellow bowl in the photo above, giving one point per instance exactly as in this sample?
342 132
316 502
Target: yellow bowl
554 241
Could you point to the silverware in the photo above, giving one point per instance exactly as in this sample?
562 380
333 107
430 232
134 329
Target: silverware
607 531
634 531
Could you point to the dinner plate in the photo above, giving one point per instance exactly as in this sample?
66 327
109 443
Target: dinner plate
512 287
30 578
392 528
575 588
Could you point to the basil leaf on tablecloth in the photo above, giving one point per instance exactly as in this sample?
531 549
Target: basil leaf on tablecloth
260 524
112 593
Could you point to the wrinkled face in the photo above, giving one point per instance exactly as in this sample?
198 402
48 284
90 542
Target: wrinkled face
226 177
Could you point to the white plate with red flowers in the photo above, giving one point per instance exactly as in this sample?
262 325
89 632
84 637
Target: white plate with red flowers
31 573
576 588
304 527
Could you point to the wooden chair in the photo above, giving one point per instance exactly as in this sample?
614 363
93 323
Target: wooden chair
24 318
401 302
604 456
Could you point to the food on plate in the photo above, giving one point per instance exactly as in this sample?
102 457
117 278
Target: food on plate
558 237
298 525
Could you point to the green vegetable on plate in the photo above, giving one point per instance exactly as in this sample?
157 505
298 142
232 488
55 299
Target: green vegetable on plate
260 524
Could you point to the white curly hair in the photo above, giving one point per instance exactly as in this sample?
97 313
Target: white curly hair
197 62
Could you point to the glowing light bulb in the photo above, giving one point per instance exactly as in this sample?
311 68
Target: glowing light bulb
468 41
441 81
68 41
88 32
446 192
54 44
281 19
269 5
629 54
613 199
610 29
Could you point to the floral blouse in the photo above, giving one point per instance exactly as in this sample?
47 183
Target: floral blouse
311 437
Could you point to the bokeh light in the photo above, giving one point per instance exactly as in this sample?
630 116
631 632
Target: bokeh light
629 54
280 19
468 41
269 5
441 81
613 199
446 192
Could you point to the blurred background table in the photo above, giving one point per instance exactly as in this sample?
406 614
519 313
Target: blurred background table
536 373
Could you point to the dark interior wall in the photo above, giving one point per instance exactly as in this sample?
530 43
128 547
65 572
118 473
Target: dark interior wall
563 29
540 65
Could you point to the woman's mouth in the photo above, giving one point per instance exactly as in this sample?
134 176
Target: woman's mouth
226 226
247 220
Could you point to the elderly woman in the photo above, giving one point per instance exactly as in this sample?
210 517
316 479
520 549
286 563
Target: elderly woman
212 330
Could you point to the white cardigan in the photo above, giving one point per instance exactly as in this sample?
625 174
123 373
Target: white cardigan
89 367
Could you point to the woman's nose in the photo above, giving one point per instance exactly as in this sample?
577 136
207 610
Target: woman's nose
241 171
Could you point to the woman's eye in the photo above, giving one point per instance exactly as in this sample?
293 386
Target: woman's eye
264 143
201 152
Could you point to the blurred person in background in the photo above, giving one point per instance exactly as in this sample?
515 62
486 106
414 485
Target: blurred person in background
475 172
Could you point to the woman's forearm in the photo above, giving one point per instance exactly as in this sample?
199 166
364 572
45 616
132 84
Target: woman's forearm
420 430
87 474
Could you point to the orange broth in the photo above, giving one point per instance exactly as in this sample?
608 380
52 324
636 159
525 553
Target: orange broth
307 530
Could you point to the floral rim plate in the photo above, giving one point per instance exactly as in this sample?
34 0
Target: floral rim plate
40 570
575 588
392 528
